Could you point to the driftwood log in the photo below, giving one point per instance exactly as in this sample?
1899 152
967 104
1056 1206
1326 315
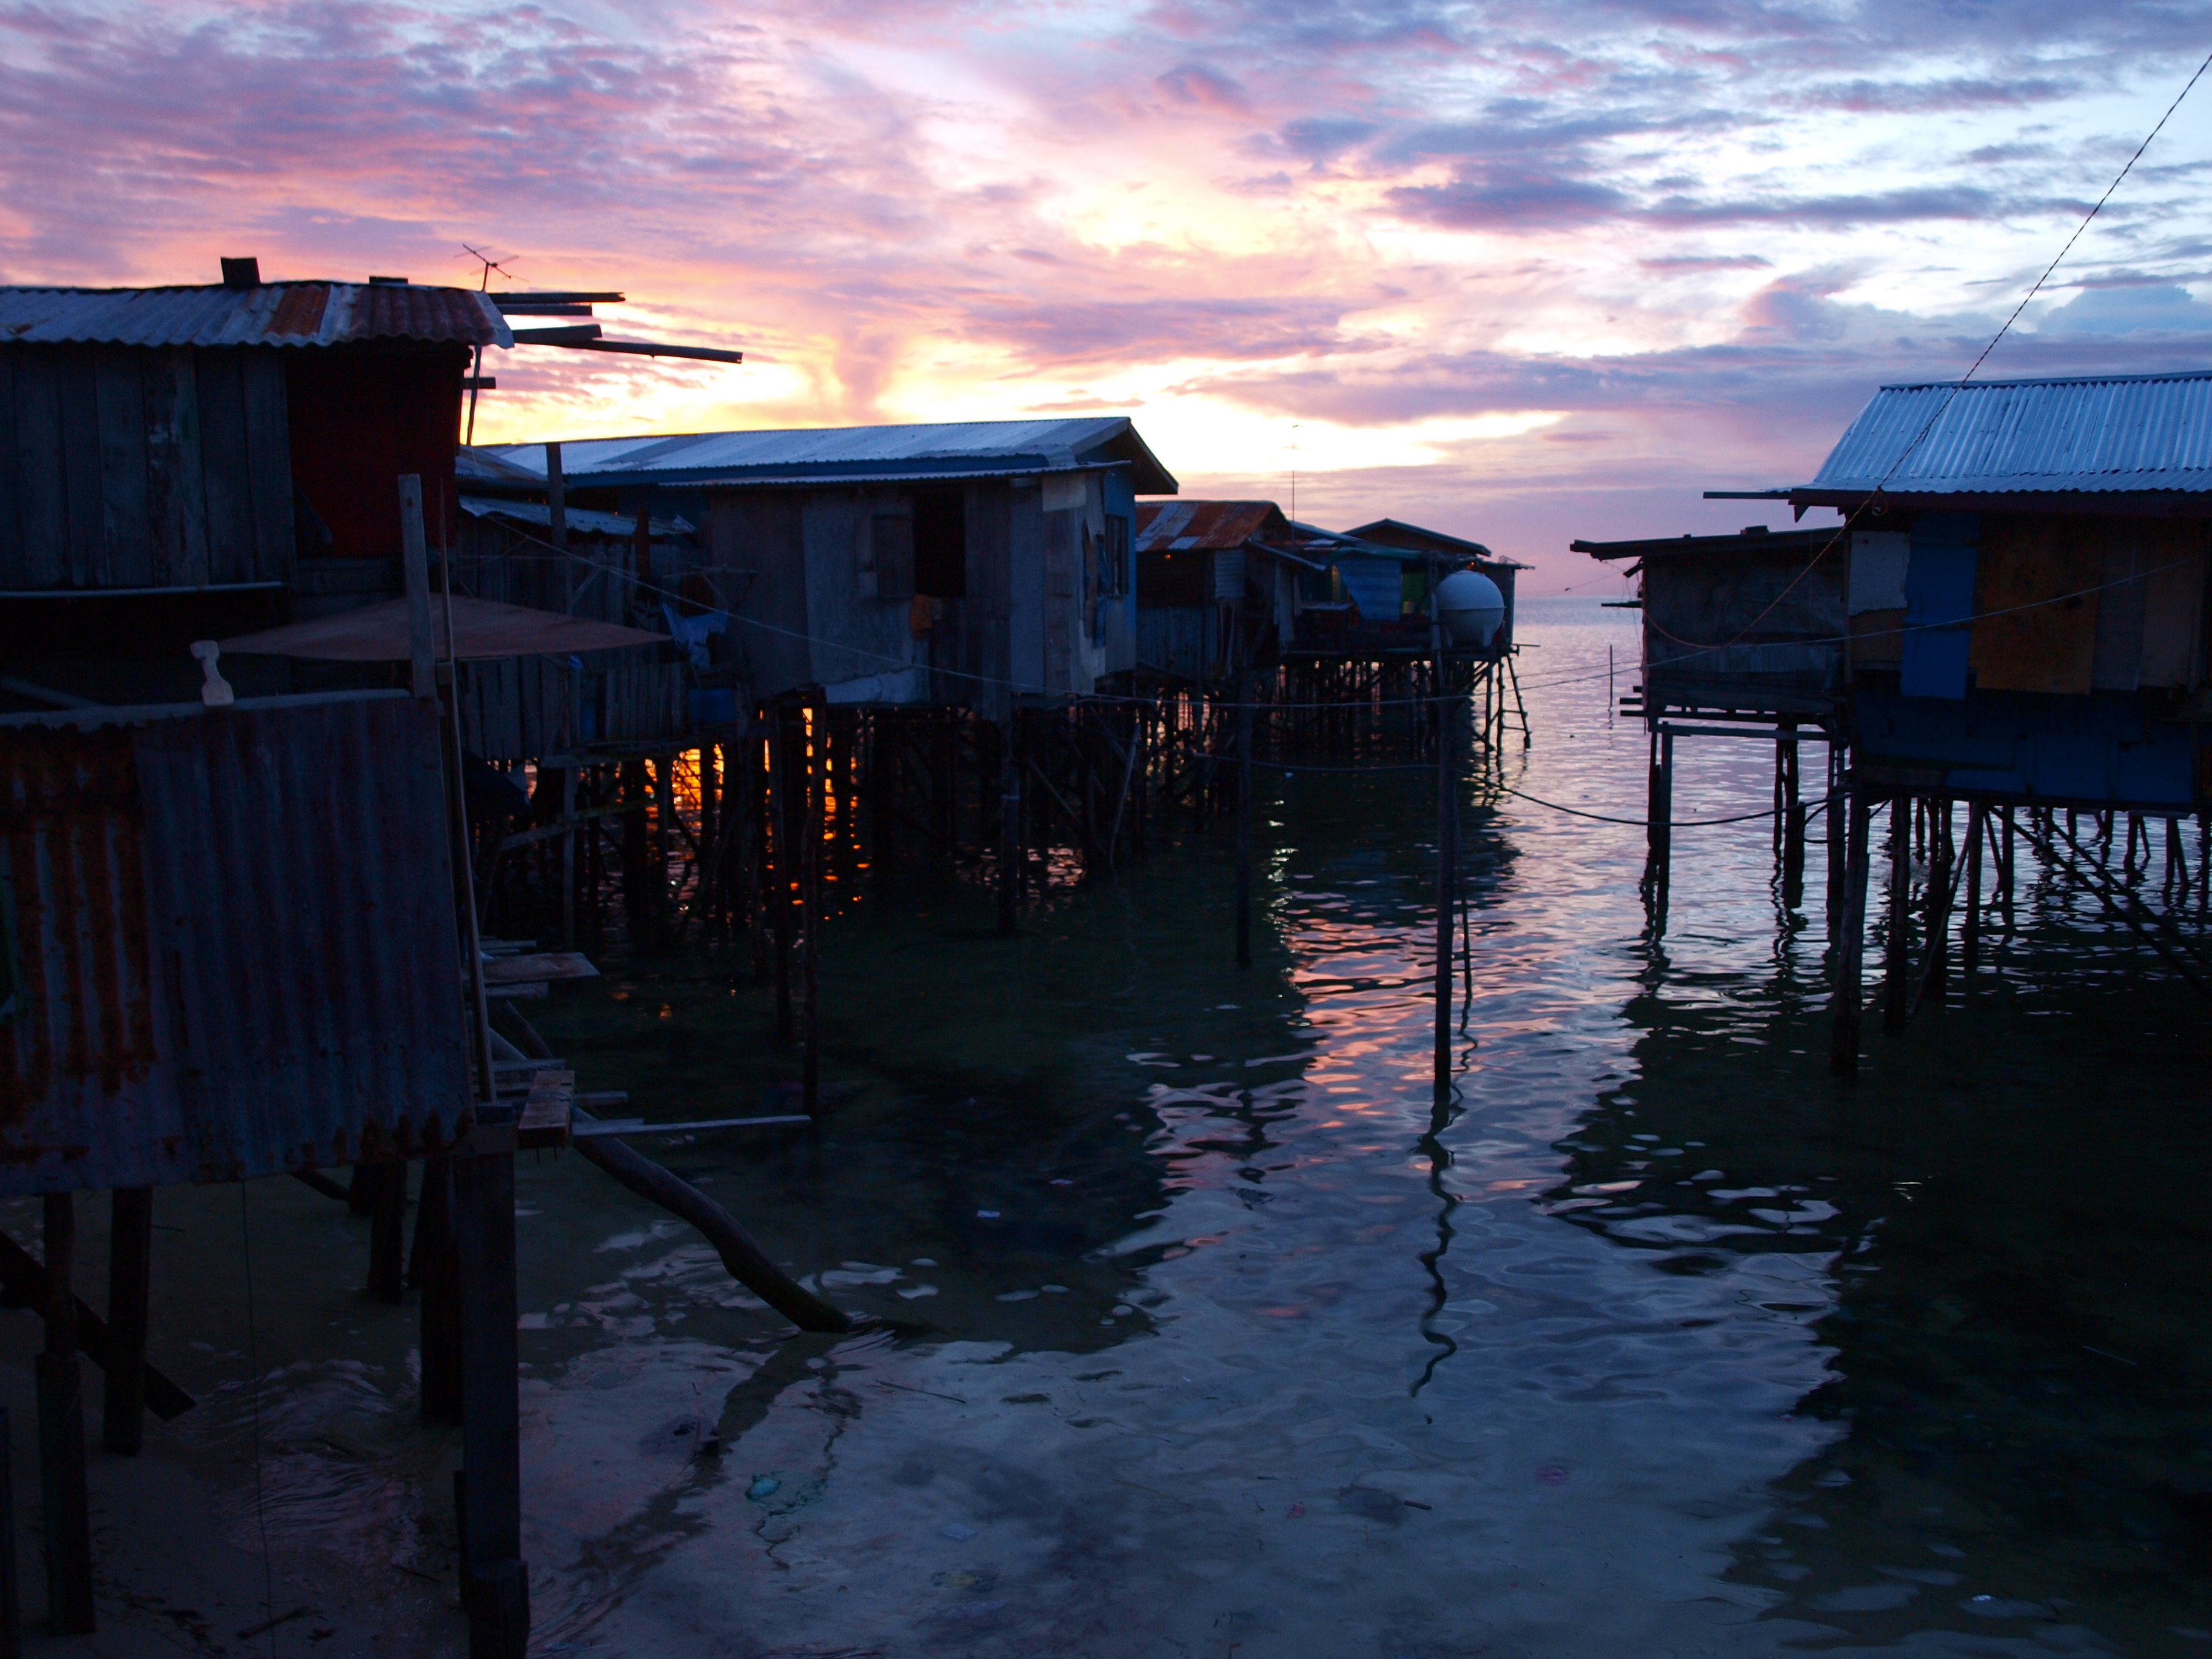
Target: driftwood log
740 1252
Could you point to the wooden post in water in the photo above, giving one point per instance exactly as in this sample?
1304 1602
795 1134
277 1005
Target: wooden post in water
636 856
61 1434
434 1268
2005 869
1942 857
130 1271
11 1593
664 840
809 868
1850 937
497 1587
387 1234
1659 831
1790 757
1897 958
1447 862
1837 831
1969 926
1009 824
779 771
1244 820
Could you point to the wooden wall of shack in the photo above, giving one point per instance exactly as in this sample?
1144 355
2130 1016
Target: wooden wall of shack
122 466
179 467
1756 625
2024 653
833 599
531 707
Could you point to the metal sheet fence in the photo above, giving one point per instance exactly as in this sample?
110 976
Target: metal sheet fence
233 949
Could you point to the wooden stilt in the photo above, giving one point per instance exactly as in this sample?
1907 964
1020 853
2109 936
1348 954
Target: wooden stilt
811 802
636 856
61 1434
1969 926
1850 941
1935 970
2006 870
1010 824
11 1592
387 1234
498 1591
664 840
1447 867
780 893
1837 827
130 1269
568 859
1897 959
1244 821
1659 832
435 1266
1791 822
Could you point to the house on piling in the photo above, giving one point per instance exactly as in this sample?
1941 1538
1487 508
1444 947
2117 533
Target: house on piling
1432 547
2013 614
185 462
2015 604
1218 586
975 563
2026 588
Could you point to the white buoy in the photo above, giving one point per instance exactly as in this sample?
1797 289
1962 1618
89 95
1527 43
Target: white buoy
1471 609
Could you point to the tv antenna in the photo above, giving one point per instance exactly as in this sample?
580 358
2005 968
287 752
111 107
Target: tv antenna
475 370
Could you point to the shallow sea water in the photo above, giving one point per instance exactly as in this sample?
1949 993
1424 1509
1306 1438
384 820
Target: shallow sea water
1213 1339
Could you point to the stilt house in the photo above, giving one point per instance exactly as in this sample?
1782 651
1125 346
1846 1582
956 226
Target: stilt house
2015 605
184 463
1218 586
975 563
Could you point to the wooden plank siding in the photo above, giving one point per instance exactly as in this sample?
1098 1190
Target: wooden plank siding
128 553
78 399
126 467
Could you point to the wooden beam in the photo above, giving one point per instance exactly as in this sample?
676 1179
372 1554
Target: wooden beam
130 1269
24 1278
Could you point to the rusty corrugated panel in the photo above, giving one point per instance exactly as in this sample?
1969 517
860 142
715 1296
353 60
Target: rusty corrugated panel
1213 527
235 945
274 313
2145 432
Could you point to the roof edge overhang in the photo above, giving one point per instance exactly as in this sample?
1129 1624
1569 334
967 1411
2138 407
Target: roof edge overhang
839 476
2101 503
1795 541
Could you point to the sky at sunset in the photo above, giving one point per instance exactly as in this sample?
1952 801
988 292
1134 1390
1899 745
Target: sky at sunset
1523 273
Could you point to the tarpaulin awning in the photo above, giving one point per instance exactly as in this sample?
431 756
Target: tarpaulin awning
483 630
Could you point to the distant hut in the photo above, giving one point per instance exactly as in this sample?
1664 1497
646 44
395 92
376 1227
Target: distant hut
1218 586
1447 553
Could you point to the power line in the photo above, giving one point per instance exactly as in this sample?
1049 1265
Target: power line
1951 392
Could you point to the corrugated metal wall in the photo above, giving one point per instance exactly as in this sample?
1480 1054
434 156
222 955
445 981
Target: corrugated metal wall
235 948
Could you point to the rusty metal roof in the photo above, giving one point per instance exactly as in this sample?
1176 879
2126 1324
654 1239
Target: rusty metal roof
270 314
2149 432
235 948
1177 526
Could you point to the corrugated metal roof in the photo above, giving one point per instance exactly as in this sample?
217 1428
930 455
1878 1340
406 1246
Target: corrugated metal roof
580 521
483 630
1215 525
273 313
852 453
235 942
2119 432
